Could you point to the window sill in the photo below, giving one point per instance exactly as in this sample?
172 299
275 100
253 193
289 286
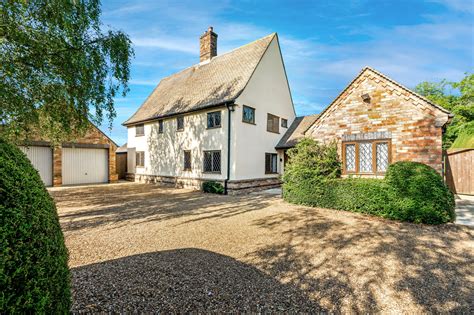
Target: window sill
136 136
187 170
216 127
250 123
179 130
218 173
272 173
139 166
276 132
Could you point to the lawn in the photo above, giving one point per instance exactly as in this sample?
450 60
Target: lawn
144 248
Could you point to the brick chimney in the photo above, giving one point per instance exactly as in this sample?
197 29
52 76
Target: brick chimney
207 45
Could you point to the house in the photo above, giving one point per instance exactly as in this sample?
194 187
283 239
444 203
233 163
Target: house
89 159
376 121
217 120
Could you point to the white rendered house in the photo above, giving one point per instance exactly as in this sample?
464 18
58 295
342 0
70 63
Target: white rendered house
217 120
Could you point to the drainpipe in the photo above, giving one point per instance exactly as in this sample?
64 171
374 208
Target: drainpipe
230 109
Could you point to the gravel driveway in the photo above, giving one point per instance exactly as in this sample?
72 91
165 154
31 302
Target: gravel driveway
138 247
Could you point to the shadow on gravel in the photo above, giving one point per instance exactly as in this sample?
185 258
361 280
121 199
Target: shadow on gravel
371 265
90 207
182 280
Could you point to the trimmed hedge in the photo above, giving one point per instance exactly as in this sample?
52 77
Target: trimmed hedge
411 192
34 276
213 187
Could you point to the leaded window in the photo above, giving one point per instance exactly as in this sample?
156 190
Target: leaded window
212 161
180 123
365 157
271 160
139 130
214 119
248 114
350 157
140 159
273 123
382 156
160 126
187 160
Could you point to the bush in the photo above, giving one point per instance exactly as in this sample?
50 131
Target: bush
411 191
213 187
34 277
421 194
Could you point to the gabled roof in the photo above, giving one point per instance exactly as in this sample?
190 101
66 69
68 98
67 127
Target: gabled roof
296 131
122 148
207 84
383 76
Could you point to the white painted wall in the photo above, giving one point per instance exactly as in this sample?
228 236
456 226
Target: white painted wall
164 153
268 92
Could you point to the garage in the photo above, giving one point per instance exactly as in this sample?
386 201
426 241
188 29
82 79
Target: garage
42 159
84 166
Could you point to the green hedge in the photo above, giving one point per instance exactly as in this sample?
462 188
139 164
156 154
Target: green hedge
34 277
411 192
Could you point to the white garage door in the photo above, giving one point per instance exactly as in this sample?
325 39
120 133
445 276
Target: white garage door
42 160
84 166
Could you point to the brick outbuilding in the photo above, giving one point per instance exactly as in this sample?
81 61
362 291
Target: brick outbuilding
377 121
89 159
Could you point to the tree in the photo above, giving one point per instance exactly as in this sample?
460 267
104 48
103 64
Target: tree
458 98
60 68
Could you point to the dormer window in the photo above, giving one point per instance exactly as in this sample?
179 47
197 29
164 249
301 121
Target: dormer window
139 130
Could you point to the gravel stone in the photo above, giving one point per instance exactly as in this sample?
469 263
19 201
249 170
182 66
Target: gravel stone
141 248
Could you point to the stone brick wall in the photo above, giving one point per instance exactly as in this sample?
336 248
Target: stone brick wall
415 126
235 187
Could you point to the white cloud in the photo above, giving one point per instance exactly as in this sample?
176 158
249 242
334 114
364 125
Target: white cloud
457 5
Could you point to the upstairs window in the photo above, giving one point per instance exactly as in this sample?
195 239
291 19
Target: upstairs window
180 123
187 160
273 123
139 130
160 126
248 114
271 160
212 161
284 123
214 120
366 157
139 159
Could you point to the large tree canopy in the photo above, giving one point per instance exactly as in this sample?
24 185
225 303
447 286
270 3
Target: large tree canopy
457 97
59 67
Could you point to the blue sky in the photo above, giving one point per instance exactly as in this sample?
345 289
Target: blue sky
325 43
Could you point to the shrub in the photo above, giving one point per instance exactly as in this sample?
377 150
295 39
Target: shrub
421 194
411 191
213 187
310 165
34 277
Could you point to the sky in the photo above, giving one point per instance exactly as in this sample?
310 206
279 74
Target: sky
325 43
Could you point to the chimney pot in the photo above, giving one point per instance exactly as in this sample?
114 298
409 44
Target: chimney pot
208 45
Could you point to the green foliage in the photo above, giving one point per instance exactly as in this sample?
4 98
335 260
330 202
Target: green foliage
59 67
465 137
410 192
419 193
213 187
458 98
311 165
34 277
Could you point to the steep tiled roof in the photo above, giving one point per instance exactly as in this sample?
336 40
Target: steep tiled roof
203 85
296 131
